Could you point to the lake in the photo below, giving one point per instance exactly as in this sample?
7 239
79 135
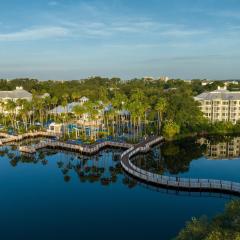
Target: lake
64 195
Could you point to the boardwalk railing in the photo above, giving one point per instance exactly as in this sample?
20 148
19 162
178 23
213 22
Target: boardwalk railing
6 138
91 149
128 166
174 182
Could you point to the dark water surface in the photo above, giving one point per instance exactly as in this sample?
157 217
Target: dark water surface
62 195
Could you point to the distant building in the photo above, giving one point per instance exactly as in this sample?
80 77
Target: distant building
148 79
227 83
64 109
220 105
188 81
164 78
83 100
18 93
69 108
206 82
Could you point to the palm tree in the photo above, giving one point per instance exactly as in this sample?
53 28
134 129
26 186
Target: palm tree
11 109
161 108
23 110
75 96
54 105
79 110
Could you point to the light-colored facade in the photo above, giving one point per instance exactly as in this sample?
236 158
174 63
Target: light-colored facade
18 93
220 105
164 78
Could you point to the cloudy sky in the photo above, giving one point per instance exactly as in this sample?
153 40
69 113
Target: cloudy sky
73 39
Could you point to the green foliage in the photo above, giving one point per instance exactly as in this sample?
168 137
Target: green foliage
170 129
153 104
223 226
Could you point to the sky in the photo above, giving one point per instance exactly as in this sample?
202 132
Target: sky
74 39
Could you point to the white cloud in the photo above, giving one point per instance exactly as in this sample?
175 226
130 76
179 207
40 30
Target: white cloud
35 34
128 26
101 29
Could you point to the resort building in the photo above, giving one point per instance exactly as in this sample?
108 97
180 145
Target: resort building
83 100
18 93
56 128
221 150
69 107
220 105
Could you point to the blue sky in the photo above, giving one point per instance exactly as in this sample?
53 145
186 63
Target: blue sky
73 39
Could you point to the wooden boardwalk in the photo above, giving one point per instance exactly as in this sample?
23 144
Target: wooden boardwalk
6 138
187 184
87 149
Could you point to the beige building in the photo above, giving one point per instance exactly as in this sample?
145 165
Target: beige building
18 93
220 105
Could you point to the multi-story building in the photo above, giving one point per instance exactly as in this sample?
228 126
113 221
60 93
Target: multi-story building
220 105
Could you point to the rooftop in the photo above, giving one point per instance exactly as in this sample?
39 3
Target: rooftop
220 93
19 92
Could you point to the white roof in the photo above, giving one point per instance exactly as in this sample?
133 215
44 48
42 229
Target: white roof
15 94
84 99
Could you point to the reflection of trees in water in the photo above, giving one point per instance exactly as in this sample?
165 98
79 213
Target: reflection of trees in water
15 157
173 157
103 167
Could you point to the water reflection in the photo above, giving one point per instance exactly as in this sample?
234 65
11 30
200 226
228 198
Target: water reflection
170 157
226 147
175 158
104 168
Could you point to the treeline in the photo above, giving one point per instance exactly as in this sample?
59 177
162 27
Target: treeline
162 107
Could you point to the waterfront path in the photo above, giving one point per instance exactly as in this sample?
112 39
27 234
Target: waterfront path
85 149
187 184
6 138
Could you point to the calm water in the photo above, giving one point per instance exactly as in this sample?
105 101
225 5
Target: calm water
61 195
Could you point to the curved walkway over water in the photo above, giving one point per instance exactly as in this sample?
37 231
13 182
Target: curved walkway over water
187 184
87 149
